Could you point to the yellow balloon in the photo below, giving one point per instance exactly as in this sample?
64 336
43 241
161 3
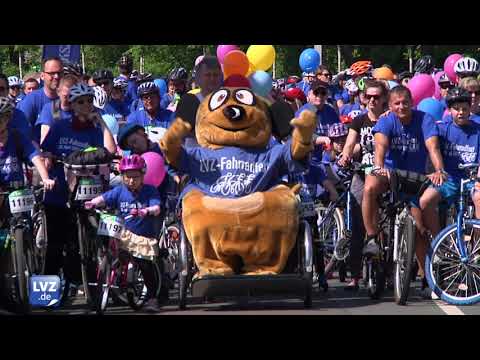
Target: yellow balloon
261 57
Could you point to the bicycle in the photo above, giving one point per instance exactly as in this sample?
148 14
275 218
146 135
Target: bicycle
452 265
397 238
19 240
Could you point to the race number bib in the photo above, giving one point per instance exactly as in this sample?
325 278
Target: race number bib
89 189
21 201
307 209
111 226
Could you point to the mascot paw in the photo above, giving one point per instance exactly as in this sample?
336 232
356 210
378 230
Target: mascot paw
305 125
215 272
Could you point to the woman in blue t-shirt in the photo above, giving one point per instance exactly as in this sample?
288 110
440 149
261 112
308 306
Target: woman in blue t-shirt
134 198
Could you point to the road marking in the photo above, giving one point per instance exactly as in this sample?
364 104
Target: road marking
448 309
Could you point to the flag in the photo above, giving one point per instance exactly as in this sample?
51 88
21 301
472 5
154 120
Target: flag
69 53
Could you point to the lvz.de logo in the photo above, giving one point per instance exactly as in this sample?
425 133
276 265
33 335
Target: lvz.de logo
45 291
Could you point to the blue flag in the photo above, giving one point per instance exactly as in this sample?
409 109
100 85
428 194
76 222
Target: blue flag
69 53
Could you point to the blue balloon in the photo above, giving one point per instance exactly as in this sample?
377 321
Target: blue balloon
261 83
433 107
111 123
162 86
309 60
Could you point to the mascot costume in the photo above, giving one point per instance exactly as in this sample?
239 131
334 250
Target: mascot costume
238 215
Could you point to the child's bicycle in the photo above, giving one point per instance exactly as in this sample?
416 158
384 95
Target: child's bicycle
119 275
452 266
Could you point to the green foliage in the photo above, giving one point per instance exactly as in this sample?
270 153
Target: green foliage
160 59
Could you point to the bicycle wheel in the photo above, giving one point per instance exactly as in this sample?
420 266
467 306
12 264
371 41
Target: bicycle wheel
103 282
185 264
137 290
374 277
455 281
21 269
330 231
404 263
84 260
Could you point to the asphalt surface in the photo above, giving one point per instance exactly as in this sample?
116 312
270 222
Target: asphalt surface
336 301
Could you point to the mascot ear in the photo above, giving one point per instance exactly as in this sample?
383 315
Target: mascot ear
187 109
281 114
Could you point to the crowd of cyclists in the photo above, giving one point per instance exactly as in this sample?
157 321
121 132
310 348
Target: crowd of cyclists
365 115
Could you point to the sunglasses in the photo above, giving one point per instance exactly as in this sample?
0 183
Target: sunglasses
15 87
320 92
327 75
374 97
82 102
148 96
446 86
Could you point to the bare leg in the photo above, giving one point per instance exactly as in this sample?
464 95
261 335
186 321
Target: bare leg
374 186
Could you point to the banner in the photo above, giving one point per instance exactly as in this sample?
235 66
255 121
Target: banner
69 53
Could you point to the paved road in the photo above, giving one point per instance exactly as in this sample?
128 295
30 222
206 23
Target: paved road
335 302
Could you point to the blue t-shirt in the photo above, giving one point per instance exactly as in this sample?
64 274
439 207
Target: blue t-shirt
109 109
305 87
459 145
407 149
163 119
166 100
20 122
131 94
325 117
124 200
348 108
11 169
61 141
449 118
46 116
311 180
119 108
233 172
32 106
343 95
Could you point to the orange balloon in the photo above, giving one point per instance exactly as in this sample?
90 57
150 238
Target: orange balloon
235 63
383 73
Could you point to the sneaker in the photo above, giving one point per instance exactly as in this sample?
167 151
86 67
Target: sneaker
152 306
352 286
429 294
371 248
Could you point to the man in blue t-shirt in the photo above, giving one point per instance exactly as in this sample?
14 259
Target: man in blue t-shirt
326 116
152 115
34 102
403 140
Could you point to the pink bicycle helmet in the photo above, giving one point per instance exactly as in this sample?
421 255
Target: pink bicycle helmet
133 162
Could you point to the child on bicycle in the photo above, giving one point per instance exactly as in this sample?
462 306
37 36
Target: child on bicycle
139 237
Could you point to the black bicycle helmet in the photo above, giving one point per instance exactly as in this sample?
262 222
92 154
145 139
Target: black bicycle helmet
404 75
72 68
424 65
143 78
178 74
147 88
457 95
102 74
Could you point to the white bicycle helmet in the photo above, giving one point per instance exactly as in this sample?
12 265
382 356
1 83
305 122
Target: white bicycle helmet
351 86
79 90
100 98
6 105
467 65
120 82
14 81
147 88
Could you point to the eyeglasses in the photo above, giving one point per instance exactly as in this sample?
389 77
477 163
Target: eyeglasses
374 97
327 74
148 96
82 102
446 86
320 92
15 87
53 73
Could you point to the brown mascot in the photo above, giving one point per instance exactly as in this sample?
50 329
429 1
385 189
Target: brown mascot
237 215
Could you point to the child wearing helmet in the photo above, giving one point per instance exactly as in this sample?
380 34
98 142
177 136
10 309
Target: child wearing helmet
142 202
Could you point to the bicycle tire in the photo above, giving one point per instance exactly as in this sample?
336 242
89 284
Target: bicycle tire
83 260
374 276
21 269
103 285
405 260
185 276
330 232
434 261
136 291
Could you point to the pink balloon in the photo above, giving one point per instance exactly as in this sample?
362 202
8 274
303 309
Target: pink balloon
155 169
449 66
422 86
223 50
200 58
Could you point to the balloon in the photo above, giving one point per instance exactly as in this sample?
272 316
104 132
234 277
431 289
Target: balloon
383 73
235 63
155 169
162 86
237 81
199 59
422 86
433 107
251 70
223 50
261 57
262 83
449 66
111 123
309 60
